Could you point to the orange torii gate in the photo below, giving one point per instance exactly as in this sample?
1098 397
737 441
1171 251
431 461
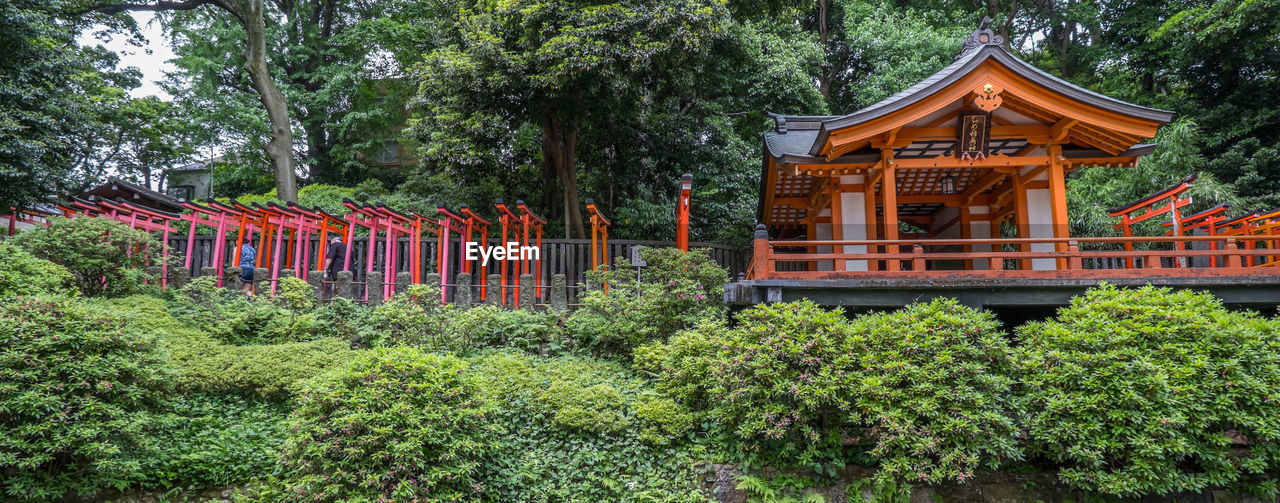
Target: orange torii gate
1206 221
1266 224
474 223
530 221
221 218
506 218
599 237
1165 202
682 213
421 223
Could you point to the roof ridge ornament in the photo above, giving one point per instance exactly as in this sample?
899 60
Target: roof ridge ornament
980 37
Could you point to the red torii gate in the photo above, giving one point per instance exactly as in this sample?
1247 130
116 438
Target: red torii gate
1151 207
449 222
393 224
361 216
147 220
220 218
481 226
1206 220
599 237
27 216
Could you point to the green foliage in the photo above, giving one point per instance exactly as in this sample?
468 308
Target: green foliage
208 440
326 197
677 290
394 424
934 386
234 318
782 488
414 318
494 327
104 256
682 365
206 364
548 449
21 274
75 389
782 383
1146 391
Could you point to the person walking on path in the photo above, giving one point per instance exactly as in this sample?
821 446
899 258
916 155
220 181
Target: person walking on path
247 257
334 257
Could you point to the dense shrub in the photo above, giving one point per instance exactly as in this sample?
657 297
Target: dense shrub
209 440
494 327
577 429
104 256
392 424
1147 391
413 318
75 390
677 290
682 365
235 318
934 388
204 363
23 274
782 383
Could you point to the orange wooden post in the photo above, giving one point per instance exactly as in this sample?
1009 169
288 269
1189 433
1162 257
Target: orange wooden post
1073 261
917 258
1058 198
506 218
532 222
760 266
869 199
481 226
682 209
890 189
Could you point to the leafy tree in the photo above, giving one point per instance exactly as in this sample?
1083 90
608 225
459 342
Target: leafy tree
530 65
252 17
104 256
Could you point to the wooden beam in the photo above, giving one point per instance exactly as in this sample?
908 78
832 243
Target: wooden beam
1058 132
1027 178
981 184
989 162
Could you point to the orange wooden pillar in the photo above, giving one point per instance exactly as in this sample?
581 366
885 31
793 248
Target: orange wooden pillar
837 223
682 212
1058 199
889 187
599 239
532 222
869 199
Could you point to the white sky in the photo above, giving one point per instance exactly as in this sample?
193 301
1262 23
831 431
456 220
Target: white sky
152 65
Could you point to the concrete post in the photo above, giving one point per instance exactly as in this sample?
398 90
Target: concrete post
180 276
559 292
316 279
462 291
373 285
402 281
260 278
494 294
231 278
345 289
432 280
527 292
284 273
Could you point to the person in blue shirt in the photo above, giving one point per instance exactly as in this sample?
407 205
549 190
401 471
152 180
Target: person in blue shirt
247 257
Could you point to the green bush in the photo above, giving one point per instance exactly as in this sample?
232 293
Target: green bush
75 390
934 390
235 318
210 440
1142 391
204 363
104 256
414 318
392 424
782 383
577 429
494 327
677 290
23 274
682 365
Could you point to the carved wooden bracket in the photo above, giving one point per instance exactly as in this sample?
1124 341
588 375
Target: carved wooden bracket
988 99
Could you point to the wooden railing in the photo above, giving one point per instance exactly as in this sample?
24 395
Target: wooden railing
1098 258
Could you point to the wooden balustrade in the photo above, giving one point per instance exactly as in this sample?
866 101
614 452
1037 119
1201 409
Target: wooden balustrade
1086 258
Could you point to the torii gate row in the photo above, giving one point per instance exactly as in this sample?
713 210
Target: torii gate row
479 226
528 222
137 217
27 216
1165 202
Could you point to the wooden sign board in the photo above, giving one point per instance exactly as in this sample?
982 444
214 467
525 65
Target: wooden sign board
973 135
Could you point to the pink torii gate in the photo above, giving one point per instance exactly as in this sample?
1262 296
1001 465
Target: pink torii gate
449 222
393 224
222 219
364 217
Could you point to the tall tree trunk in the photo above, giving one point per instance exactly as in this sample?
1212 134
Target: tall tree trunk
560 145
280 148
824 74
